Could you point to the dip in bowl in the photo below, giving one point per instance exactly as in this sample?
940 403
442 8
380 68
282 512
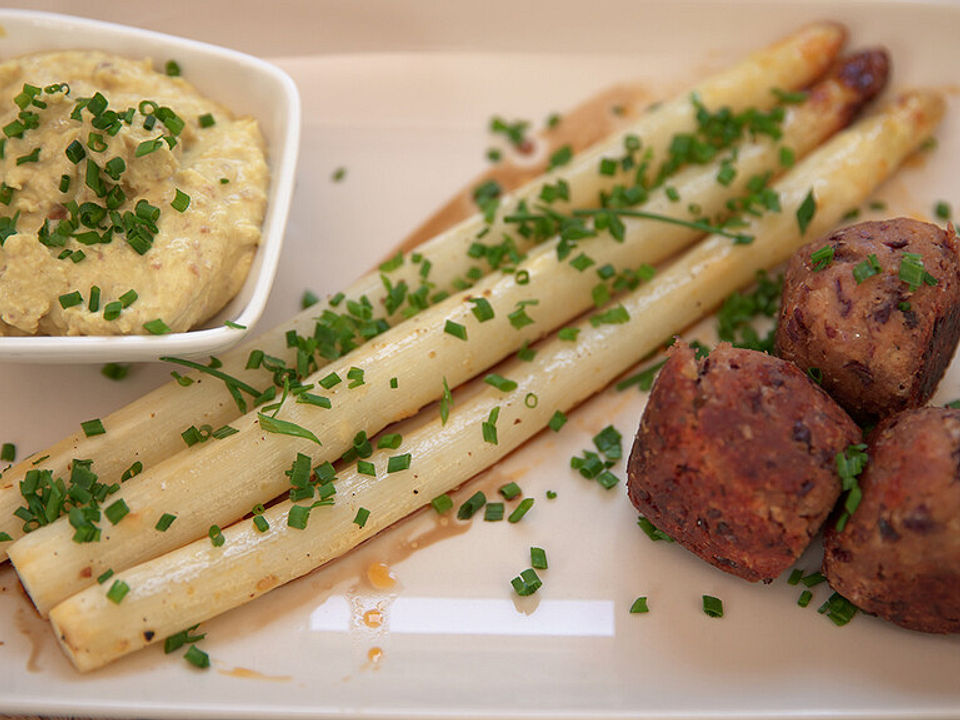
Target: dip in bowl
134 204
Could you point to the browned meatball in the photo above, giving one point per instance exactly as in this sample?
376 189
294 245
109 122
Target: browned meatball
883 343
899 554
734 458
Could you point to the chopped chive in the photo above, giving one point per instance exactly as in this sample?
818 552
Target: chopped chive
551 494
156 327
165 521
8 452
643 379
181 201
178 640
284 427
526 353
652 531
521 510
821 258
531 400
234 325
442 503
115 371
117 591
481 309
339 174
306 398
128 298
104 576
489 426
538 558
608 442
500 383
788 157
806 211
394 383
93 427
795 576
70 300
568 333
308 299
510 490
726 174
614 316
446 402
813 579
355 376
75 152
365 467
398 463
116 511
132 471
330 380
913 273
712 606
197 657
474 503
216 536
112 310
391 441
867 269
560 157
298 517
146 147
557 421
206 120
455 329
838 609
361 517
493 512
172 68
260 523
181 380
805 597
33 156
607 479
191 436
527 583
639 606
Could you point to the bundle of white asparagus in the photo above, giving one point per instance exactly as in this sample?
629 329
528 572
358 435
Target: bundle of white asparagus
175 580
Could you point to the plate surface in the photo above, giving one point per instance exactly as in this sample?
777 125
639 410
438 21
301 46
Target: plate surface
399 94
248 86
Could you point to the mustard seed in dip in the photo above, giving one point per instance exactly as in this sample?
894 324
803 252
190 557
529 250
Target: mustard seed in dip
126 197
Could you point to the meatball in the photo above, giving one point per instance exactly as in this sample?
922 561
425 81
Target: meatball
735 458
898 556
881 319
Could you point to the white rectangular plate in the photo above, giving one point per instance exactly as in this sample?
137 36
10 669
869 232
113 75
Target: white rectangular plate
399 93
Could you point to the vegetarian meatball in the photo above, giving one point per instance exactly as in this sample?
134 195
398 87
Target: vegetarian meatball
734 458
898 555
875 307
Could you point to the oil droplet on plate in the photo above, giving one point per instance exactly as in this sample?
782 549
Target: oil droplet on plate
374 655
381 576
373 618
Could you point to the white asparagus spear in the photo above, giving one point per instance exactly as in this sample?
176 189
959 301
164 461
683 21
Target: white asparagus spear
419 353
200 581
147 430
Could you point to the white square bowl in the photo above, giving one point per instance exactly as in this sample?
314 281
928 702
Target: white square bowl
245 84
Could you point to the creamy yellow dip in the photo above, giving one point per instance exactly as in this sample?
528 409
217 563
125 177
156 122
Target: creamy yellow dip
198 258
